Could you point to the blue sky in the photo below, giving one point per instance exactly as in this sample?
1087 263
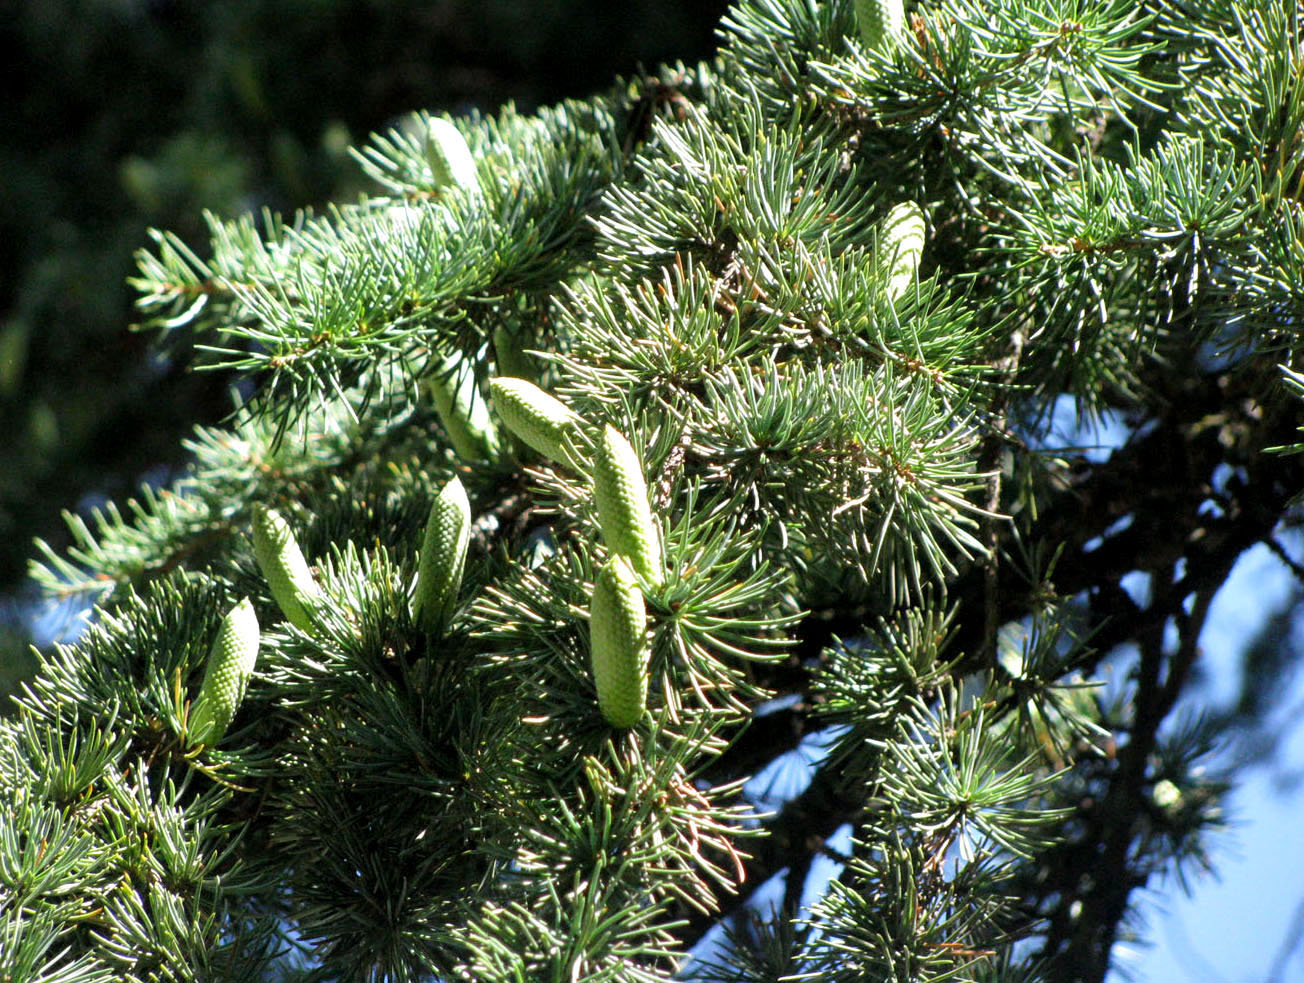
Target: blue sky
1232 929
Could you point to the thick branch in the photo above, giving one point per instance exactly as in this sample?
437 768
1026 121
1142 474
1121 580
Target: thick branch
1162 478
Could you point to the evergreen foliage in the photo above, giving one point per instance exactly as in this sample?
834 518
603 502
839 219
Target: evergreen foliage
124 114
865 537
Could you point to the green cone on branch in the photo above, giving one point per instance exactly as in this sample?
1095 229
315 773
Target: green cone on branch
282 563
443 558
618 644
624 512
230 664
450 158
463 411
881 22
541 421
509 351
900 247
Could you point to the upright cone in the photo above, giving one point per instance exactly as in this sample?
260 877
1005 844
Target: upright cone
450 158
541 421
230 664
881 22
900 247
618 644
443 558
620 492
463 411
279 558
509 350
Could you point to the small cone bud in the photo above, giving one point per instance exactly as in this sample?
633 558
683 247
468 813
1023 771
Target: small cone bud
620 492
230 664
282 563
618 644
443 557
881 22
900 246
450 158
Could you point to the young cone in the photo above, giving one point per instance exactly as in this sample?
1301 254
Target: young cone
618 644
450 158
282 563
509 350
623 510
900 245
230 664
463 411
443 557
541 421
882 22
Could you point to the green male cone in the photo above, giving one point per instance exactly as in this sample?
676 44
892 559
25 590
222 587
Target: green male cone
618 644
282 563
900 247
541 421
881 22
443 557
509 351
450 158
463 411
624 513
230 664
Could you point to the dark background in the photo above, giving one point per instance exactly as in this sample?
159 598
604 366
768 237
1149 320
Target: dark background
128 114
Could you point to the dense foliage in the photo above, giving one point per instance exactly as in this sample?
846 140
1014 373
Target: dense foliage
129 113
859 542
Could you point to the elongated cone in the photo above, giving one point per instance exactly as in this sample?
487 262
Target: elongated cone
618 644
541 421
463 411
443 558
282 563
881 22
449 157
623 509
509 350
900 245
230 664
